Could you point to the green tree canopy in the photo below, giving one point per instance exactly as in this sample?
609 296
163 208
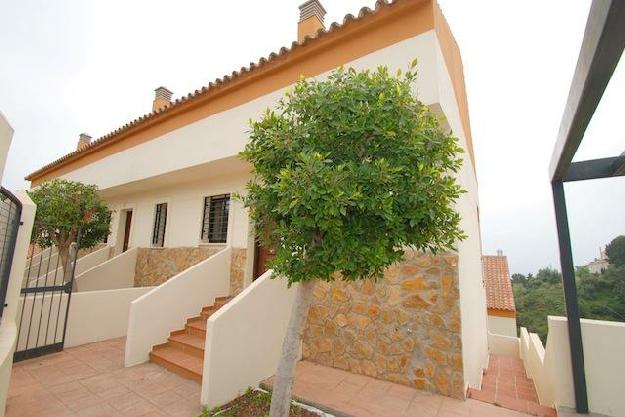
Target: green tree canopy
64 207
348 172
616 251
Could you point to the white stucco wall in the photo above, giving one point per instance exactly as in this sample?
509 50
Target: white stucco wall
472 294
604 344
6 135
8 325
503 345
505 326
100 315
185 206
244 339
117 272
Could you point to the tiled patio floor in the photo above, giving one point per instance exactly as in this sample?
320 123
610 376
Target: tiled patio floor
354 395
90 381
505 383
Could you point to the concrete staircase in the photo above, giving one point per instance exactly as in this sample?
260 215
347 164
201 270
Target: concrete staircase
183 353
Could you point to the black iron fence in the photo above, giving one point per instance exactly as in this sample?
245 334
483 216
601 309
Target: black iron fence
46 290
10 213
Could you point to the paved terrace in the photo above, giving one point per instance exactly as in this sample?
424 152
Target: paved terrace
345 394
90 381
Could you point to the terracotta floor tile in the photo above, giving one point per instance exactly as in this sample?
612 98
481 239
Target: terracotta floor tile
139 408
113 392
124 401
485 396
82 402
165 398
102 410
512 403
100 383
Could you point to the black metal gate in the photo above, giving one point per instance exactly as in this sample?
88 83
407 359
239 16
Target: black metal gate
10 214
46 291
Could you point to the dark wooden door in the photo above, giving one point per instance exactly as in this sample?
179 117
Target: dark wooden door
261 257
127 229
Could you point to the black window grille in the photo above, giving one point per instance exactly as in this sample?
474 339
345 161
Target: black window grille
160 221
215 221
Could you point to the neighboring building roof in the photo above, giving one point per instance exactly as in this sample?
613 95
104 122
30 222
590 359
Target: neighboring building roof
221 86
497 281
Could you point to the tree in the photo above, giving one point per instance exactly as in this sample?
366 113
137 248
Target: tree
348 172
616 251
519 279
64 207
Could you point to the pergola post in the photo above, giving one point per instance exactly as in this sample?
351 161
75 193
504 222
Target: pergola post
570 298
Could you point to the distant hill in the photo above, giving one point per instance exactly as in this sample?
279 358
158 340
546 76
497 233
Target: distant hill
601 296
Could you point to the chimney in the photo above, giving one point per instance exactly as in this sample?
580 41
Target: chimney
162 98
83 141
499 252
311 16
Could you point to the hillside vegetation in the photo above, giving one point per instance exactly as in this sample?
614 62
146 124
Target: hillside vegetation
601 296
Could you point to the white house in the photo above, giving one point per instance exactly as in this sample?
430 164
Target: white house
170 175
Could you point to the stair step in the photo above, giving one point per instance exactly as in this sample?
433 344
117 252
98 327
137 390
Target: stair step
183 353
196 326
188 343
178 362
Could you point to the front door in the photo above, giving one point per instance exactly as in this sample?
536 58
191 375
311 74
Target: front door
262 256
127 230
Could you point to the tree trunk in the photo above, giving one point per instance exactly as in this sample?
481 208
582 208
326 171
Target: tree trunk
283 384
64 255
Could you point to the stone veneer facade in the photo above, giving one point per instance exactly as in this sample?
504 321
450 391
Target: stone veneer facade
237 270
156 265
404 328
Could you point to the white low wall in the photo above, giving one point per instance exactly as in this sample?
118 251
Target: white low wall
100 315
604 347
167 307
40 261
533 355
8 325
117 272
53 276
503 345
244 339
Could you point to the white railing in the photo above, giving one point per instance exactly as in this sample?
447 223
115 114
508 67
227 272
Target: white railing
244 339
154 315
117 272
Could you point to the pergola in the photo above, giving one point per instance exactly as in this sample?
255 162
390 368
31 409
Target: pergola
602 47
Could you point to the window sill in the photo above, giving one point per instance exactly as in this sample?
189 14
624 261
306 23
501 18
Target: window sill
212 244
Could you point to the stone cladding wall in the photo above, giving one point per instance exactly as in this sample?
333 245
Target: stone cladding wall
156 265
237 270
404 328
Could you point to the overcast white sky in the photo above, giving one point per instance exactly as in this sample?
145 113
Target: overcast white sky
85 65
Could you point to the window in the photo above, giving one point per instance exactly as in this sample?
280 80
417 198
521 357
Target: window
160 221
215 221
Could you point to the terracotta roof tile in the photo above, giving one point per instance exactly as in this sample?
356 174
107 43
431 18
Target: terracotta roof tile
217 84
497 282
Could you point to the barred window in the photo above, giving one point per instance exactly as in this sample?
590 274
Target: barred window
160 221
215 220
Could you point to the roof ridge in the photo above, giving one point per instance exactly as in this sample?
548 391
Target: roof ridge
219 82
